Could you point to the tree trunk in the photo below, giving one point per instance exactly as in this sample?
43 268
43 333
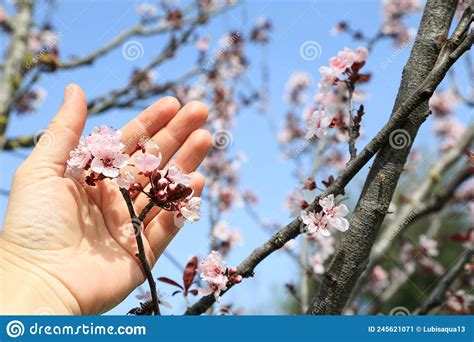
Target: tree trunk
352 255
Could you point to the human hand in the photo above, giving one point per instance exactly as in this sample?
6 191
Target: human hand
63 246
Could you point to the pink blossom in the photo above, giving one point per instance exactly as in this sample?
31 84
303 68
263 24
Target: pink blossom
296 86
459 302
338 64
379 278
223 232
213 270
443 102
324 245
328 79
147 162
74 173
103 138
335 213
192 210
176 176
317 263
315 222
318 124
295 202
361 54
80 156
347 56
125 181
429 246
215 287
108 162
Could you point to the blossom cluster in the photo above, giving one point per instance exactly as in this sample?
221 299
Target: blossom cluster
423 255
337 80
214 271
393 12
331 216
100 156
228 238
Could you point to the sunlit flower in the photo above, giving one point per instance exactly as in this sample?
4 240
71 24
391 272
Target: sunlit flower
335 213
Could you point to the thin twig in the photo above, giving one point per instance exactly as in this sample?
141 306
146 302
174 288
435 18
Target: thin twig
137 223
436 297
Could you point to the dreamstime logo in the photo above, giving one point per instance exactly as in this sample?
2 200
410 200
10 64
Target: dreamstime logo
131 228
132 50
399 311
399 139
43 138
310 50
15 329
221 139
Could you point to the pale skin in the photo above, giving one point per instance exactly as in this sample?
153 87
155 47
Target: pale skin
68 249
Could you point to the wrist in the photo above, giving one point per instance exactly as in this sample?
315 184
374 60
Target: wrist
26 289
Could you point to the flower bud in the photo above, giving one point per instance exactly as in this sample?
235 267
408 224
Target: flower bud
233 270
237 279
136 186
161 195
162 183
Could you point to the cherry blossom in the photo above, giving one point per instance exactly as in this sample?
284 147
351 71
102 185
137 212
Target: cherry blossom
428 246
147 162
213 270
443 102
379 278
125 181
296 87
459 302
99 156
192 210
295 202
317 263
108 162
80 156
229 238
335 213
176 176
328 79
315 222
318 124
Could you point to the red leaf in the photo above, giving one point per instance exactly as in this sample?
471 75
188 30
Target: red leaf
169 281
463 238
190 272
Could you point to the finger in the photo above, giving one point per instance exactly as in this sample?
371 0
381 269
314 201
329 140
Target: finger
150 121
188 159
63 133
192 116
163 228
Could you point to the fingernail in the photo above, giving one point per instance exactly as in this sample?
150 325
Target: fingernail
68 92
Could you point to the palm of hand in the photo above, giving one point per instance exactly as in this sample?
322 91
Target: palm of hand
83 236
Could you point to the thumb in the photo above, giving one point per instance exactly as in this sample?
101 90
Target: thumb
63 132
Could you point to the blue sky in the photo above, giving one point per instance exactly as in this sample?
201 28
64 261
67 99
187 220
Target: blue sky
86 25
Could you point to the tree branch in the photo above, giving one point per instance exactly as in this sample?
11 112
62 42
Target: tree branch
421 203
430 59
13 67
436 297
163 26
419 95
